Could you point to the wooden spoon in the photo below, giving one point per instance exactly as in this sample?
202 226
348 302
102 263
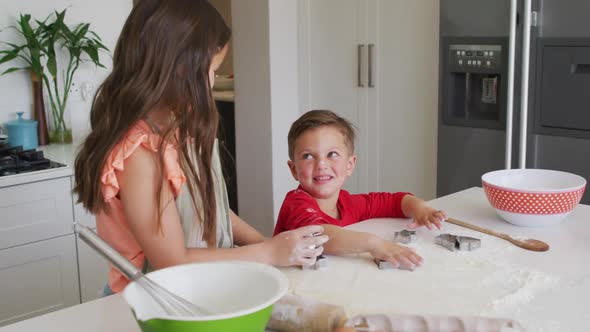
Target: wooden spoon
528 244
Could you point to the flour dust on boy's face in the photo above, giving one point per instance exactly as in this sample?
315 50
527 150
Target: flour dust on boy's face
322 162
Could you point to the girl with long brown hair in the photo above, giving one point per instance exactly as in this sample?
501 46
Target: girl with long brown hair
149 170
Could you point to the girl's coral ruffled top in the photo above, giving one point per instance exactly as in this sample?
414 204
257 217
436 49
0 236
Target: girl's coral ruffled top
112 225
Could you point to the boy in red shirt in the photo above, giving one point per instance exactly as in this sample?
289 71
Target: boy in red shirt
321 152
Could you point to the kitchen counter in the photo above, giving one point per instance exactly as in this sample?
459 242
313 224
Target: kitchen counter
541 290
226 95
108 314
61 153
561 306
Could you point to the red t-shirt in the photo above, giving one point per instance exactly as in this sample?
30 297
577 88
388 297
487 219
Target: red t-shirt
300 209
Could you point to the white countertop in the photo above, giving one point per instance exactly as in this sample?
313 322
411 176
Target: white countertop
227 95
561 308
544 291
62 153
109 314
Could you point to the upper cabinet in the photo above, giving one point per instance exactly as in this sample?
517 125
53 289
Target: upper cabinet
376 63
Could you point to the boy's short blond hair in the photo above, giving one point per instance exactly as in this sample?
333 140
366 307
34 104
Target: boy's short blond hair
320 118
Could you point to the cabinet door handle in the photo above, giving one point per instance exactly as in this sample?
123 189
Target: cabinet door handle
359 73
370 70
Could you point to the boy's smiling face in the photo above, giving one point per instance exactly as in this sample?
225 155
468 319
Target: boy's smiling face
322 162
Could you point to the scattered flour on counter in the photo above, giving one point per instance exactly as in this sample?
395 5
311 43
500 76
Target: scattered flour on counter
480 282
527 284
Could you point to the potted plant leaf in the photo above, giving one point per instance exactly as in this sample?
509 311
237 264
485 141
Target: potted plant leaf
46 44
80 44
31 53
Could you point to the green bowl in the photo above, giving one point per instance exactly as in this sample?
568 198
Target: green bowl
239 294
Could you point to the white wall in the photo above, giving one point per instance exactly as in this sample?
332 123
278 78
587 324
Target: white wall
284 92
224 8
106 18
265 56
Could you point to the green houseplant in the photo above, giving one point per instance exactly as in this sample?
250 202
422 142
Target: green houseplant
76 42
54 38
31 53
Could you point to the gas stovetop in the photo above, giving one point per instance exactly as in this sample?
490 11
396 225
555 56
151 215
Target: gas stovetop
16 160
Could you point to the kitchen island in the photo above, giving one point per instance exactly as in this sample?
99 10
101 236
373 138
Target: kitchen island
544 291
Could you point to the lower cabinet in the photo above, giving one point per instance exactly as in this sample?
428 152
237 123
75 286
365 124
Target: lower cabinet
93 272
43 265
38 278
92 266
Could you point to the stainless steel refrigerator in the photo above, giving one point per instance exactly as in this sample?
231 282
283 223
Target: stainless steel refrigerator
514 89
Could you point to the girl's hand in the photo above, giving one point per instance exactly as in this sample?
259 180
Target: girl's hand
394 253
428 216
297 247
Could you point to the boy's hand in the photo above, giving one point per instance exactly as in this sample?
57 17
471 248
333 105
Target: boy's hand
428 216
394 253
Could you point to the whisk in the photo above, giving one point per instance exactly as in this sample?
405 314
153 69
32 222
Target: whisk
171 303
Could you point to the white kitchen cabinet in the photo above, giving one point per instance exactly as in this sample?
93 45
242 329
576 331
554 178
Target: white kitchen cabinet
81 216
331 34
93 268
94 272
43 266
38 278
38 265
375 62
35 211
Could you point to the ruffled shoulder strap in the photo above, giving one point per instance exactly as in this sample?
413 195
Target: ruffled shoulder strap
139 135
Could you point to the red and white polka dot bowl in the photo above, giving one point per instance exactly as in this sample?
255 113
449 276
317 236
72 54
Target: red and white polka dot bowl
533 197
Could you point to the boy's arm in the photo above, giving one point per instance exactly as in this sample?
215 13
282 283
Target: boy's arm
343 241
396 205
422 213
378 205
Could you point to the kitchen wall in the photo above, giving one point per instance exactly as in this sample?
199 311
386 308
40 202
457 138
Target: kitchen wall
266 103
224 8
106 18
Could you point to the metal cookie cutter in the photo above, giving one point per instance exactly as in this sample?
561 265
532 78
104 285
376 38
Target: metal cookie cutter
320 262
314 235
456 242
385 265
405 236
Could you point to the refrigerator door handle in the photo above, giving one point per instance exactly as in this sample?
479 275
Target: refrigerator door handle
524 89
510 85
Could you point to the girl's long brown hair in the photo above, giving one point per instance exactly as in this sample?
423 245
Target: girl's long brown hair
161 60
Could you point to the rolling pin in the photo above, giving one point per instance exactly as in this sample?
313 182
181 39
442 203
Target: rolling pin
294 313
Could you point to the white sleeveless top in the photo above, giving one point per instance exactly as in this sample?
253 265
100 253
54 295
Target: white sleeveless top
193 230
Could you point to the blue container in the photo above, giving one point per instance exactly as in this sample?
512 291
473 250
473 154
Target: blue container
22 132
